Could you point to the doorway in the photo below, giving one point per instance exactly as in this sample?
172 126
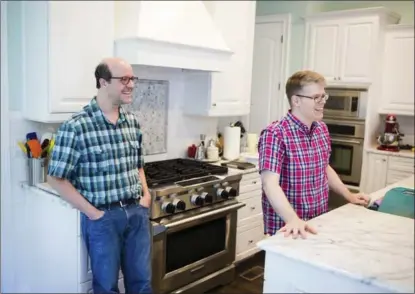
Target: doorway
269 71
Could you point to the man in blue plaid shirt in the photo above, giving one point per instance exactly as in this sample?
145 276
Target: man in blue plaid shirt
97 166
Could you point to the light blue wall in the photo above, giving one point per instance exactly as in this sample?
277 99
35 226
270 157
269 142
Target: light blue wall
14 47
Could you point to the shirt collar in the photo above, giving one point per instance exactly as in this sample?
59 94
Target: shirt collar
300 125
94 109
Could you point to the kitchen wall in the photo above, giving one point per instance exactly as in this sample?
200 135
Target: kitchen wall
182 130
299 9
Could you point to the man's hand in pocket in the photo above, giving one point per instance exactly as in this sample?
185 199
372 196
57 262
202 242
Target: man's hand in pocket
146 200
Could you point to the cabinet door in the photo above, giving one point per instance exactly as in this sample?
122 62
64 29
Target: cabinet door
322 52
81 34
376 172
356 50
398 72
231 89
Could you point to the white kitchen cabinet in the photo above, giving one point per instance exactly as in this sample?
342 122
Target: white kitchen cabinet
250 228
342 45
377 165
398 71
384 169
226 93
63 42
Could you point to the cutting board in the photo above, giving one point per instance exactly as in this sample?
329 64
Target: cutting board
399 201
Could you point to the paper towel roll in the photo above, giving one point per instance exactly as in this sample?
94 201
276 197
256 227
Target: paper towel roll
252 142
231 143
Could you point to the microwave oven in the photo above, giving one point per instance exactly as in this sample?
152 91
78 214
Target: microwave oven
344 103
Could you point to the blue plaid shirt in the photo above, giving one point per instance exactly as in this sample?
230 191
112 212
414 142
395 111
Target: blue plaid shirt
100 159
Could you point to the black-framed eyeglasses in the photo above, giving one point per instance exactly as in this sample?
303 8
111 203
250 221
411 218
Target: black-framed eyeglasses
126 80
317 99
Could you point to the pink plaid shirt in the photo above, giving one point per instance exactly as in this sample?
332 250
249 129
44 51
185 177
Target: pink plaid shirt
301 156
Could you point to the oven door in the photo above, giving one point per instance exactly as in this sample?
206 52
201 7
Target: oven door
193 246
346 159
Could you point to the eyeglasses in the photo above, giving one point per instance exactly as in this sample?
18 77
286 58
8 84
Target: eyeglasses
317 99
126 80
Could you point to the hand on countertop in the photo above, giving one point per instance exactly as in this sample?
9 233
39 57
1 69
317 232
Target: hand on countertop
297 227
360 199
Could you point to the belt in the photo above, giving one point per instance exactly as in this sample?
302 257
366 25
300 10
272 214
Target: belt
118 204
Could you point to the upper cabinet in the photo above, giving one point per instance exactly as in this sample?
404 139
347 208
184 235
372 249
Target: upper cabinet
226 93
398 71
342 45
63 41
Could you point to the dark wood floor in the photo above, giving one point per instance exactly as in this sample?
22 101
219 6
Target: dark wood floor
241 285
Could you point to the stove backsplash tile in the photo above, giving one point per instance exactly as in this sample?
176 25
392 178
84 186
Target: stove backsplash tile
150 104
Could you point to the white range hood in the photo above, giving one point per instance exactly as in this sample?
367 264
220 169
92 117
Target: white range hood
177 34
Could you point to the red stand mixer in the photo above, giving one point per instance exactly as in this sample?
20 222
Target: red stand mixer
389 140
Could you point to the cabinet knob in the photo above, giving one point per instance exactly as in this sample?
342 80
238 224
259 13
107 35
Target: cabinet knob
335 79
339 78
214 104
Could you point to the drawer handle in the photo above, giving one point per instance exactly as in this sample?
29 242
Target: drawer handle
253 182
252 207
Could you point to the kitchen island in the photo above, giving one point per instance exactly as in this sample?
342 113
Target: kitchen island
356 250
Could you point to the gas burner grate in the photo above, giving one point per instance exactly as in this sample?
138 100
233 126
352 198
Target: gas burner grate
173 170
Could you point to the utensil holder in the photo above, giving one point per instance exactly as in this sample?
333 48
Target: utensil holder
37 170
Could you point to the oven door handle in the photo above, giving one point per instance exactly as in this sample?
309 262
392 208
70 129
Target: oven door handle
355 142
203 215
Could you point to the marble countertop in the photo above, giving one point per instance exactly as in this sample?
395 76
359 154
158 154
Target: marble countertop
373 247
401 153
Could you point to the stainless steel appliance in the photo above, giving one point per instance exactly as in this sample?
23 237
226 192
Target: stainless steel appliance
345 103
347 148
193 222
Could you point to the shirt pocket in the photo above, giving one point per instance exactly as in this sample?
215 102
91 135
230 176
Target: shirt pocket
96 161
135 152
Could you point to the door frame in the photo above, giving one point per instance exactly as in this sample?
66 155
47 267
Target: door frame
285 19
7 274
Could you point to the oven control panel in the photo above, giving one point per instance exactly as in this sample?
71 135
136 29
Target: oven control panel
193 198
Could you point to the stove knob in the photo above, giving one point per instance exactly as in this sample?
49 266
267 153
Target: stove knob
179 204
196 200
207 197
231 191
222 193
168 207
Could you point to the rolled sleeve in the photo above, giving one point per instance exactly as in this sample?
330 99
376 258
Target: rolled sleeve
271 149
65 155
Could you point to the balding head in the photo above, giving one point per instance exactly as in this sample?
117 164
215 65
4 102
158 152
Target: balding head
111 67
115 80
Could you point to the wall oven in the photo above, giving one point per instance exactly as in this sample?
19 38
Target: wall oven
348 103
193 247
347 148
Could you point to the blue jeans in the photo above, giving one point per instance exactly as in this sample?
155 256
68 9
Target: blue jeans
120 238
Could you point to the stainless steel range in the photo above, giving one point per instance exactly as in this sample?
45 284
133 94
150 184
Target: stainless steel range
193 217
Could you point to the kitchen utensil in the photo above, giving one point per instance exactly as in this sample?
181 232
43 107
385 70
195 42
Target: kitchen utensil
31 136
238 165
28 152
35 148
22 147
46 136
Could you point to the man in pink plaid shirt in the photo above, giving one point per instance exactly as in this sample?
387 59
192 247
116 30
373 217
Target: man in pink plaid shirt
294 161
